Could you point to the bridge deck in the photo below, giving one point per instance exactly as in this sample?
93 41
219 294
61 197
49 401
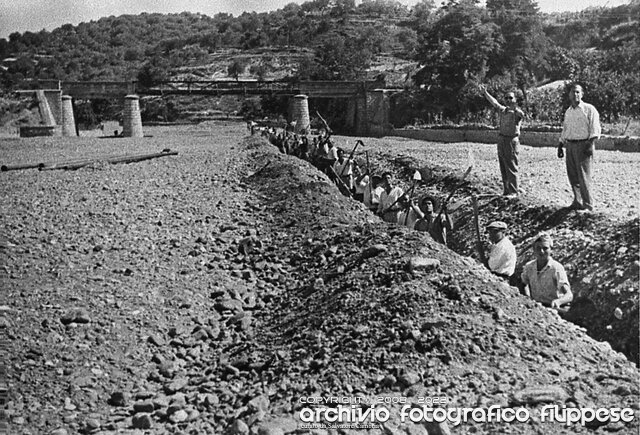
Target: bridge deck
313 89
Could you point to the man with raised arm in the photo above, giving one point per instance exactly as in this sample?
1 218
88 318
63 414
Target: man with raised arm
436 224
508 140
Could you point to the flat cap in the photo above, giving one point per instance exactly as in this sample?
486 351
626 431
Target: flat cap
497 225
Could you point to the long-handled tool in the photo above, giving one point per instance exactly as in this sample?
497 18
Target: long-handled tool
340 183
444 203
476 224
416 178
353 151
366 153
326 125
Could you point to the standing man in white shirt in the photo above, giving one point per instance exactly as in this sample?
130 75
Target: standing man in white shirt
502 256
580 130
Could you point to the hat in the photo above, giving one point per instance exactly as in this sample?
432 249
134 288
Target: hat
497 225
543 237
430 198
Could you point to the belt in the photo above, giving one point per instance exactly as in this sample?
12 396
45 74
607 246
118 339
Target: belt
508 135
577 140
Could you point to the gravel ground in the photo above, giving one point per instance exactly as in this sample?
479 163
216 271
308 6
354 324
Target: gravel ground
209 292
543 176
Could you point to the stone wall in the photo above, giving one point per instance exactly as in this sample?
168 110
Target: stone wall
531 138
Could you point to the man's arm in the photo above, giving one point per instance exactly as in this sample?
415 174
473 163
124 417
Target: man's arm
417 210
594 123
563 288
491 99
563 137
526 290
446 219
594 129
564 299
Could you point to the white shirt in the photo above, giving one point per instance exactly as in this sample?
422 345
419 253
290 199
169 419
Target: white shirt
332 153
343 169
546 285
372 198
502 258
580 123
388 199
363 186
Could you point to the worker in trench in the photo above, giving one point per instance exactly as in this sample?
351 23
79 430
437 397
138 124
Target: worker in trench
544 278
438 225
502 254
389 206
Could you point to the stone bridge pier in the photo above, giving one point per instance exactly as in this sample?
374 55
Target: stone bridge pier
56 106
368 113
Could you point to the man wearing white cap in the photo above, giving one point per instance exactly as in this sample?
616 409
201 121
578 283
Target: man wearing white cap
545 279
502 257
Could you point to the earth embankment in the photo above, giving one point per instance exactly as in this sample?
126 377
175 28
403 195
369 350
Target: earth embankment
211 291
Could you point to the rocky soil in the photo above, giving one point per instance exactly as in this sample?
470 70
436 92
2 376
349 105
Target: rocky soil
209 292
600 250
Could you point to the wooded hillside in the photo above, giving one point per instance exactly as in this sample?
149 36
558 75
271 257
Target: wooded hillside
507 44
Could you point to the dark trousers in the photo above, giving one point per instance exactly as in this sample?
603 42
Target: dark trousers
508 159
579 161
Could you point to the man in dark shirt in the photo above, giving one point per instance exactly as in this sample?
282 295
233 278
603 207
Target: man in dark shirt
508 143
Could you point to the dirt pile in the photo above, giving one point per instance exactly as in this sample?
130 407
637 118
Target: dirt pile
211 292
600 251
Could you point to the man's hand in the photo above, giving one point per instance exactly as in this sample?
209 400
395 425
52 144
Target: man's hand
555 303
591 148
560 151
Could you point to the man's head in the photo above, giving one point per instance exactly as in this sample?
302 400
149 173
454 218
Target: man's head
510 98
575 94
340 153
404 200
542 247
497 230
387 180
375 181
428 204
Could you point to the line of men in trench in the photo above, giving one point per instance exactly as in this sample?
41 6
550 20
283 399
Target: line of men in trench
543 279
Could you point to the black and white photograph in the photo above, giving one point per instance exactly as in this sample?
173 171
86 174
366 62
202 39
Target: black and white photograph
320 217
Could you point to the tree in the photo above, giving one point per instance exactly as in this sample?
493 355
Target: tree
236 68
153 72
340 58
524 45
458 45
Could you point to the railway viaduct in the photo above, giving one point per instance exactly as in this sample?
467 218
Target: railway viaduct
367 101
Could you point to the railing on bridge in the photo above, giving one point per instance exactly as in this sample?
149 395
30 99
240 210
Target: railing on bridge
111 89
327 89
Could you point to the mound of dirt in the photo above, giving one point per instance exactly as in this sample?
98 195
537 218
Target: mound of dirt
218 291
599 250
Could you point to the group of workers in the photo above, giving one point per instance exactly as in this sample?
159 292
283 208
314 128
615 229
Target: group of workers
377 192
542 279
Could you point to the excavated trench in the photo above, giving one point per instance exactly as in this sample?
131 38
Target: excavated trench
600 255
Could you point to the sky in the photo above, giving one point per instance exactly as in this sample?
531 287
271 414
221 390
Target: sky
35 15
